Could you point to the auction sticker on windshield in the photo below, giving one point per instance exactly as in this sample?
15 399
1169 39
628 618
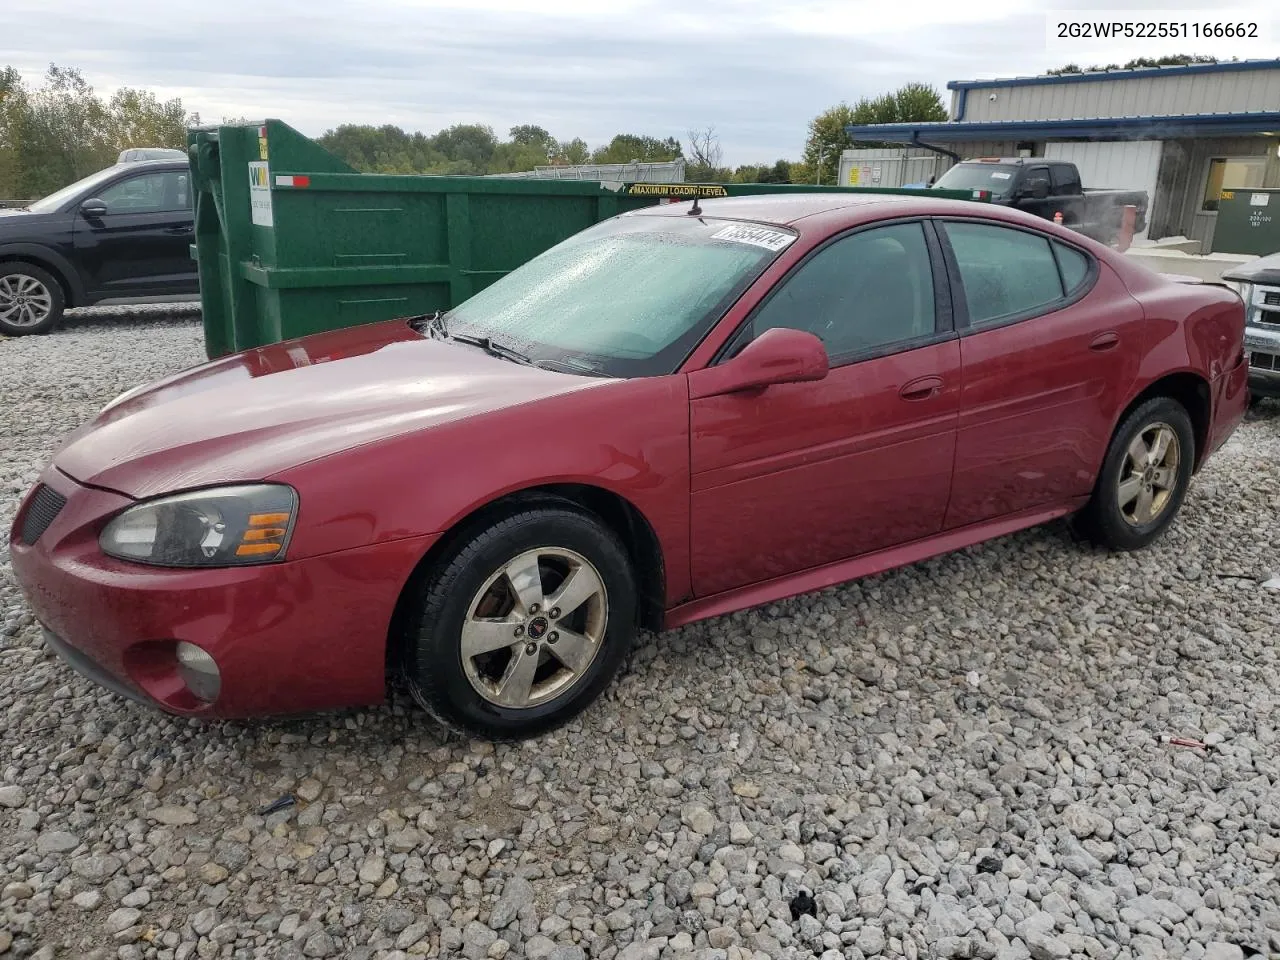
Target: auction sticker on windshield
774 240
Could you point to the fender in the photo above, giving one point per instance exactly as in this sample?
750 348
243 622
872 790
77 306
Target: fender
52 261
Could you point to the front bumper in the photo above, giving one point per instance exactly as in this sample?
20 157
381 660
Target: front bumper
288 637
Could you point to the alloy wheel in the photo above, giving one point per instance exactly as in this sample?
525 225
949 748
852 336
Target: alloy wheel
1149 476
534 627
24 300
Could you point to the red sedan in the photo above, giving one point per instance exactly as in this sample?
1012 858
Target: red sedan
677 413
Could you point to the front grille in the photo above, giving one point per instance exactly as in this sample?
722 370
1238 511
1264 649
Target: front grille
1264 361
1269 317
1271 298
45 505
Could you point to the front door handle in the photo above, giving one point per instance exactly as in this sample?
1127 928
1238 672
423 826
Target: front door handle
179 231
1105 341
922 388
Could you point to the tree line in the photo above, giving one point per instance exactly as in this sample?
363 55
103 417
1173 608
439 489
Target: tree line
60 130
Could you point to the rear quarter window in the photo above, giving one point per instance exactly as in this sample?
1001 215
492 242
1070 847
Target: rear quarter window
1074 266
1005 273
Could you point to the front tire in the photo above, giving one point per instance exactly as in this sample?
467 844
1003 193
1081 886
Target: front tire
1144 477
522 625
31 300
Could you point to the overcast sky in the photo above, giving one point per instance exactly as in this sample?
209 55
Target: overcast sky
756 70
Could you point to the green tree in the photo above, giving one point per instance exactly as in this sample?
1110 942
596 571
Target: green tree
62 130
467 147
1173 60
532 135
138 119
629 147
828 137
572 152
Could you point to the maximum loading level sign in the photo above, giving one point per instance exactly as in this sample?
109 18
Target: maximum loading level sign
684 191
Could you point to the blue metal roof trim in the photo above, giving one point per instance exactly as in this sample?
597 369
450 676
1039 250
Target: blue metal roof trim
1154 128
1139 73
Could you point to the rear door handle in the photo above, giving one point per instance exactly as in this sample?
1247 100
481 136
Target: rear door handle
922 388
1105 341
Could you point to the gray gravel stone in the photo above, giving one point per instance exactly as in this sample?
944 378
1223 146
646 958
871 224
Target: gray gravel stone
12 796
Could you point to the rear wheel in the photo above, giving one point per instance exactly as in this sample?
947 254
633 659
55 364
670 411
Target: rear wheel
31 299
524 625
1144 477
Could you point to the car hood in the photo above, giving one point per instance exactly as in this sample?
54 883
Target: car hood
1265 270
253 414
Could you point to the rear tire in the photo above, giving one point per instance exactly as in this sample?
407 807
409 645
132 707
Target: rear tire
1144 477
31 299
491 653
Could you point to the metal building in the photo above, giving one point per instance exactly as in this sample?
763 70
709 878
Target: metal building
1183 134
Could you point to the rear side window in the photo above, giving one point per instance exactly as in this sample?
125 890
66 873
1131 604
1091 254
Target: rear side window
1005 273
1065 179
1074 266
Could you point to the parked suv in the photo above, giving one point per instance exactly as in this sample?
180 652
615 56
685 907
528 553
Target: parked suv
123 233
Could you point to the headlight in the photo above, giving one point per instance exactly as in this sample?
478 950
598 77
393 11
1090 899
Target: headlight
220 527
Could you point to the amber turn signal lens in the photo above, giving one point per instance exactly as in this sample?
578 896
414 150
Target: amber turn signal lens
265 533
268 519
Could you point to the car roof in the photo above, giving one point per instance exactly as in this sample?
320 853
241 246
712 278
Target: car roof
174 162
780 209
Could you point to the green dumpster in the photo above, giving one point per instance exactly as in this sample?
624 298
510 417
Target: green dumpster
289 240
1248 222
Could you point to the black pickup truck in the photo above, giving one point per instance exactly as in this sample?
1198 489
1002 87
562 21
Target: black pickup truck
122 234
1046 187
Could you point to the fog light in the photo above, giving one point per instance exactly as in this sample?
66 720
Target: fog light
199 672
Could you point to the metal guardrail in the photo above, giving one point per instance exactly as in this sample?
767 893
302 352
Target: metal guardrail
13 204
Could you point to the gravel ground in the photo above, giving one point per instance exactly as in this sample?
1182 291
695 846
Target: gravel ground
965 758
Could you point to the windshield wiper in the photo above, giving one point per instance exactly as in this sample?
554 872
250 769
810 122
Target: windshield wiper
433 324
493 349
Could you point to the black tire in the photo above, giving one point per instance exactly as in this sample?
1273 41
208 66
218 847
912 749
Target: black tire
41 291
433 661
1117 525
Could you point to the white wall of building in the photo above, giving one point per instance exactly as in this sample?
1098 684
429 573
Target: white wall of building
1116 164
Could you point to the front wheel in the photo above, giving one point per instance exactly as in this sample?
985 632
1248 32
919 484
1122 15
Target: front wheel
1144 476
31 300
522 626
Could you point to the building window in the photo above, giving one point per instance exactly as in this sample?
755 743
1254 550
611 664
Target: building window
1232 173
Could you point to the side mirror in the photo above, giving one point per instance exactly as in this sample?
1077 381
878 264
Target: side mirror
94 208
780 355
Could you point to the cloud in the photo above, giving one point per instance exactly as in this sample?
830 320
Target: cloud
756 71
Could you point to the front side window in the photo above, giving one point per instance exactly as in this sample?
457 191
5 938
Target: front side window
628 297
1036 177
1005 273
859 294
148 193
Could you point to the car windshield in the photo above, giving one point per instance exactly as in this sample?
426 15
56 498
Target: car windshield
629 297
54 201
996 177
